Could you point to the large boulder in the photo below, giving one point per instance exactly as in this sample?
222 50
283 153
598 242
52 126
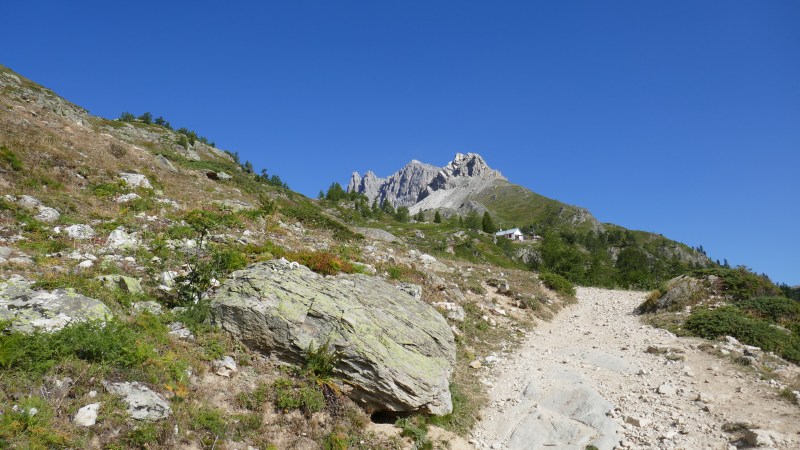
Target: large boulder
143 403
30 310
397 351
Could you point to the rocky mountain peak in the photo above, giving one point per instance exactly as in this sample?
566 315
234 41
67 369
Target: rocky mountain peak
416 180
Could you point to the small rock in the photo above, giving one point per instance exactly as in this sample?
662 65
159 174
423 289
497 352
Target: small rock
47 215
667 389
411 289
475 364
87 416
80 232
761 438
125 198
125 283
143 403
225 367
135 180
86 264
180 331
122 240
150 306
637 421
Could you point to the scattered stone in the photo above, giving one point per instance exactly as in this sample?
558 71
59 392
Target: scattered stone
143 403
218 176
87 416
475 364
149 306
225 367
761 438
454 311
125 198
80 232
179 330
637 421
135 180
162 161
47 214
667 389
120 239
86 264
125 283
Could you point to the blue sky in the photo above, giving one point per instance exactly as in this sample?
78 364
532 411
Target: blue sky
678 117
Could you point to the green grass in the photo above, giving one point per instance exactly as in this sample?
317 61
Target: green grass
10 159
558 283
290 395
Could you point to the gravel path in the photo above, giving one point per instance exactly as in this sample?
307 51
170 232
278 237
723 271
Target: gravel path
597 375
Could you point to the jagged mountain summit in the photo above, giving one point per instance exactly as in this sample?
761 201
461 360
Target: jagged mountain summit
421 186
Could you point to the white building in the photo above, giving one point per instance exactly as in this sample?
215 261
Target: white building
514 234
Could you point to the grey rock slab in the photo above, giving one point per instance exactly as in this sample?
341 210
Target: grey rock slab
143 403
162 161
559 409
47 214
397 352
31 310
120 239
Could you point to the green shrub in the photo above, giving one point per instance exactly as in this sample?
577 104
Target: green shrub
322 262
210 420
774 309
336 440
557 283
321 362
10 159
108 189
113 343
732 321
416 429
254 400
143 435
306 398
742 284
310 215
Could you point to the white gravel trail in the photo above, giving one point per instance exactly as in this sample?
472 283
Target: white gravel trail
586 377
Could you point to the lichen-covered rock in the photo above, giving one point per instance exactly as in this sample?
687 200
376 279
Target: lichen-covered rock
680 292
120 239
135 180
125 283
397 352
31 310
79 231
143 403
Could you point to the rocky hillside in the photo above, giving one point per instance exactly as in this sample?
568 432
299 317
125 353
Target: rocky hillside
156 292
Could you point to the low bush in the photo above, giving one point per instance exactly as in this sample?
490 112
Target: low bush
775 309
113 343
211 421
732 321
322 262
557 283
307 398
310 215
254 400
741 284
10 159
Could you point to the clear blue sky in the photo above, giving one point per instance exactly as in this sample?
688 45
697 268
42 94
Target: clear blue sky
679 117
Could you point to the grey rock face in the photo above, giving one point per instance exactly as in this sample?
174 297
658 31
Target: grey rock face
397 352
400 189
143 403
423 186
166 164
31 310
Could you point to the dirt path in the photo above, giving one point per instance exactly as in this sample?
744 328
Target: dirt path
587 378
